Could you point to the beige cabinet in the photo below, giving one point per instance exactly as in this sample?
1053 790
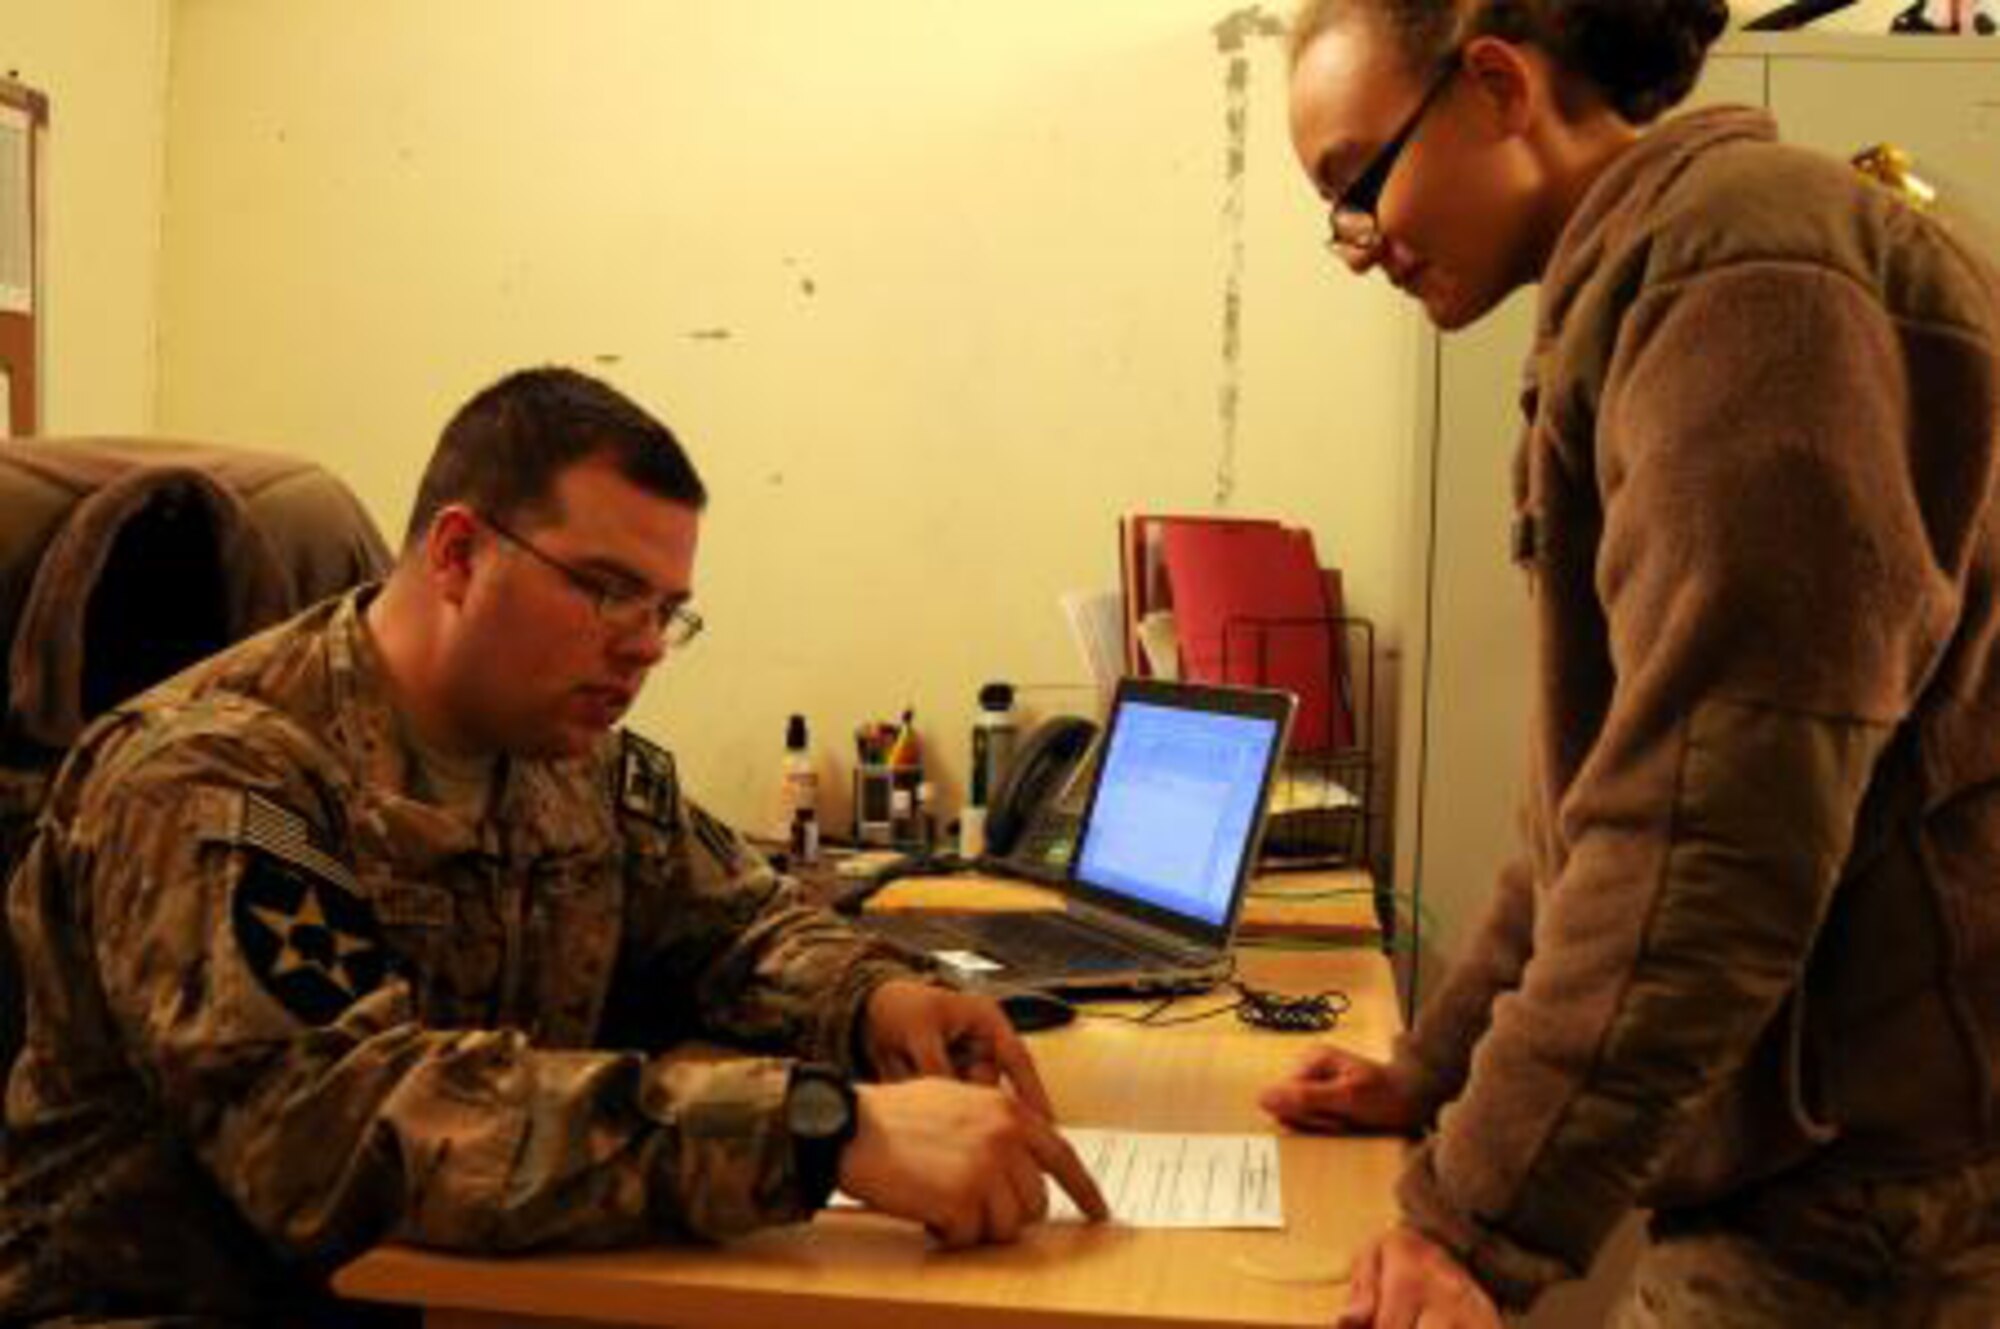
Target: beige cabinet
1466 650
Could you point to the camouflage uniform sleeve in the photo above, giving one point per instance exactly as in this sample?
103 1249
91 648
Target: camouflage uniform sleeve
716 932
243 977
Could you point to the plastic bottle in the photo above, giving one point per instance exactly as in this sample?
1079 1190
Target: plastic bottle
993 738
799 798
994 734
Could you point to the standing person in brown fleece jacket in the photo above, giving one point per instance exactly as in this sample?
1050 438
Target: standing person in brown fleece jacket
1746 971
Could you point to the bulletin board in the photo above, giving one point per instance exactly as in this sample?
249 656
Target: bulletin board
24 118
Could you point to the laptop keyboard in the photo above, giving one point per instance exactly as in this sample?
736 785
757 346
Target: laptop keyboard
1045 946
1030 942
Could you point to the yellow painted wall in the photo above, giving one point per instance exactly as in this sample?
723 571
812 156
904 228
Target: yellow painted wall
932 290
103 64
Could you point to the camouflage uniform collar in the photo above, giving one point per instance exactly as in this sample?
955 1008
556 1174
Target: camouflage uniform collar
540 807
362 720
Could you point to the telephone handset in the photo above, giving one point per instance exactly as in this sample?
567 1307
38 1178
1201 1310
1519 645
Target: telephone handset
1031 823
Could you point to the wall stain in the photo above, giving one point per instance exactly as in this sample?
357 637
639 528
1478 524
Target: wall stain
807 286
1233 34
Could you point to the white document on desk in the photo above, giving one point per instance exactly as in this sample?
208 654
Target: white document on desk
1154 1179
1157 1180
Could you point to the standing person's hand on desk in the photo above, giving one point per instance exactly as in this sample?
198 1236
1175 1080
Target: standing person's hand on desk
1332 1091
913 1029
1405 1281
966 1161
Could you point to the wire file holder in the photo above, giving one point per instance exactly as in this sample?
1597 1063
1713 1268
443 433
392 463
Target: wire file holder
1323 802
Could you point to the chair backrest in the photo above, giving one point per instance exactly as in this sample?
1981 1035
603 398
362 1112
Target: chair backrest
122 561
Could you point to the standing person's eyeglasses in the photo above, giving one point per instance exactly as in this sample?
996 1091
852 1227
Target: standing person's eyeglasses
623 609
1354 228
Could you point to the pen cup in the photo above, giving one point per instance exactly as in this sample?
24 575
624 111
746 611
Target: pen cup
909 810
873 798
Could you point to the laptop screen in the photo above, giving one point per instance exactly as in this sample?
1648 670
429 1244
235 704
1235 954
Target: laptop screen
1176 808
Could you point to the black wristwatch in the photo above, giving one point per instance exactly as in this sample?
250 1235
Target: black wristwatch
821 1114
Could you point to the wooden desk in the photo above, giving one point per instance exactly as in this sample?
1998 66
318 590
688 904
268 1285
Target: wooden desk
857 1271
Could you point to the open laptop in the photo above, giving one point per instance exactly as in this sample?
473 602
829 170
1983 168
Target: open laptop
1164 853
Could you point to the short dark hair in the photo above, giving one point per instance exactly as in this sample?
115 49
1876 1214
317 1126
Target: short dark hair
1642 56
502 451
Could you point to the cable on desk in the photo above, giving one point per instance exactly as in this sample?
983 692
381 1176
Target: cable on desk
1312 1013
1260 1008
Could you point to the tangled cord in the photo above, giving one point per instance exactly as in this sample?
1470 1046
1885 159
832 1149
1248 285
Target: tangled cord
1311 1013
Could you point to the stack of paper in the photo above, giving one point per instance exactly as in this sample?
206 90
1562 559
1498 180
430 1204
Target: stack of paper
1096 623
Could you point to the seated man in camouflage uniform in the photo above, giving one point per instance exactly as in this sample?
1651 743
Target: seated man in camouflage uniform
375 926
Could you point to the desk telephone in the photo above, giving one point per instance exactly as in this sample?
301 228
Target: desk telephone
1031 825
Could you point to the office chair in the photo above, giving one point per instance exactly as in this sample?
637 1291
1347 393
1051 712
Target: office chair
122 561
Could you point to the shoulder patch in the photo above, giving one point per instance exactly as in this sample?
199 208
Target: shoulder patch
648 788
301 922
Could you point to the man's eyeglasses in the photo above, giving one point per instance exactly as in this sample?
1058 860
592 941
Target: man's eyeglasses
1354 227
622 609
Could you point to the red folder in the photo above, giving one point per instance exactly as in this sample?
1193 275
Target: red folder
1252 607
1144 573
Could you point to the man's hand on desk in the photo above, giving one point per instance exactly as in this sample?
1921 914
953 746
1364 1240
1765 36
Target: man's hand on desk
966 1161
1404 1281
1333 1091
911 1029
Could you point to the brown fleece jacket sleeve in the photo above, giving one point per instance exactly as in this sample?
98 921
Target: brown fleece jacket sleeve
1434 1057
1778 569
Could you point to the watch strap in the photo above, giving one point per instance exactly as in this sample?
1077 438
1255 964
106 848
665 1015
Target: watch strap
816 1153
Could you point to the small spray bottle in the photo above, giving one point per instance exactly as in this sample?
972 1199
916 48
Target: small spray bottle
800 794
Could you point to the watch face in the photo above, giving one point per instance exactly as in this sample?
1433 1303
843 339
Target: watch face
817 1109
